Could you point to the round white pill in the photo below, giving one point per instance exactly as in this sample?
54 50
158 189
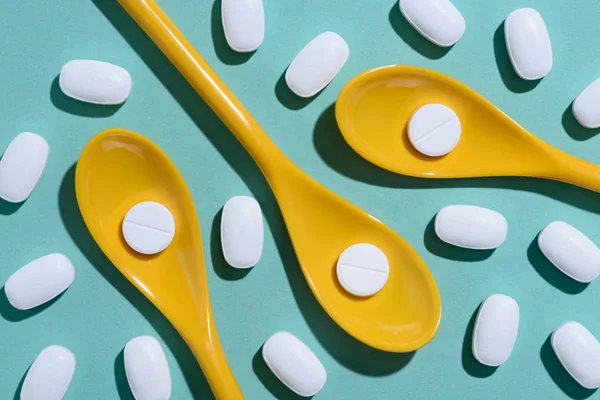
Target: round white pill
434 130
363 269
148 227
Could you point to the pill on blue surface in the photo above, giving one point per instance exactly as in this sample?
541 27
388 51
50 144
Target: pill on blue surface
243 24
528 43
242 233
147 369
570 251
439 21
434 130
363 269
471 227
96 82
22 165
294 364
148 227
579 353
317 64
39 281
50 374
495 330
585 106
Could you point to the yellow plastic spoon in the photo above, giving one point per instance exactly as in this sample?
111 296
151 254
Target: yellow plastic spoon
118 169
405 314
373 110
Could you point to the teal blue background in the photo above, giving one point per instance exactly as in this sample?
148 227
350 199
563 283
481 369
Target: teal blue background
100 312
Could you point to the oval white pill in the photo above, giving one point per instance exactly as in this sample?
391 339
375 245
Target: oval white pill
50 374
363 269
243 23
434 130
294 364
39 281
579 352
317 64
528 43
570 251
147 369
471 227
242 232
22 165
437 20
585 106
96 82
148 227
495 330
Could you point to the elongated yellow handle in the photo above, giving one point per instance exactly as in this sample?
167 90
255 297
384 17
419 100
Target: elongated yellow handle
158 26
574 170
165 34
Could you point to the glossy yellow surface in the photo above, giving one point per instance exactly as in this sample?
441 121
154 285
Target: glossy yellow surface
118 169
405 314
374 108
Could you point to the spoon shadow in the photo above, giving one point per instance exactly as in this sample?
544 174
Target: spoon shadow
345 349
337 154
75 226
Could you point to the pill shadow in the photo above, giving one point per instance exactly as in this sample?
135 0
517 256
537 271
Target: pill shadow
469 362
290 99
511 80
17 395
442 249
221 267
77 230
412 37
346 350
8 208
550 273
559 374
80 108
121 378
225 53
277 389
575 129
12 314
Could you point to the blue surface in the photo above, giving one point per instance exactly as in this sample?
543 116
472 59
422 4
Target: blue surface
98 315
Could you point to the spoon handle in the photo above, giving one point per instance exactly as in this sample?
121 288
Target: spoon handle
577 171
165 34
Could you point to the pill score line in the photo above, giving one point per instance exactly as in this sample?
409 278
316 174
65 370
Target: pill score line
426 135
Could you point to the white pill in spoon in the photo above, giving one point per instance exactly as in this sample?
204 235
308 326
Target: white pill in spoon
363 269
148 227
434 130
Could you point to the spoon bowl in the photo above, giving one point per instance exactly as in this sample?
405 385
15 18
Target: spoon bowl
118 169
404 315
374 108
